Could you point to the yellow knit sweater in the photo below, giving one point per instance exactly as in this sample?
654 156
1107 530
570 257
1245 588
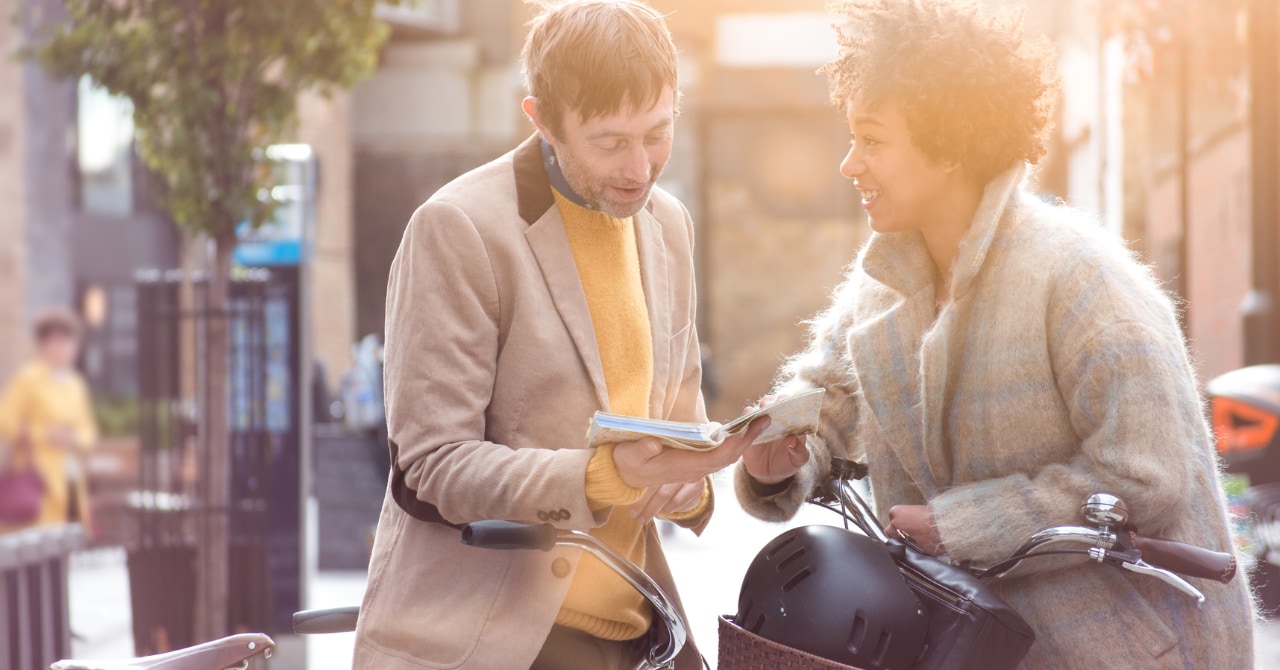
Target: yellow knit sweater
604 248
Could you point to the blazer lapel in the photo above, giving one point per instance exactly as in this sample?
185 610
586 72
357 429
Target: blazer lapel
550 245
655 278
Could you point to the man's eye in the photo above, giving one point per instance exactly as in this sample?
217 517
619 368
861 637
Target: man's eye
612 146
657 139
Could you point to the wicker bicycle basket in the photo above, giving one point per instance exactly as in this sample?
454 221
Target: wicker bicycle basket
740 649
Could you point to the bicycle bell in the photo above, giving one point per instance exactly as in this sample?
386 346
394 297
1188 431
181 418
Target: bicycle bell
1106 510
834 594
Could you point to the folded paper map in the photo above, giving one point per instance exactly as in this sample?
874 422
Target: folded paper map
794 415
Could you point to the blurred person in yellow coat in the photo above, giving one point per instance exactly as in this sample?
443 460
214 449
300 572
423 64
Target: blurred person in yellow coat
47 401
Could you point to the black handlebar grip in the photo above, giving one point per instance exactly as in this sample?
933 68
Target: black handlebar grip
319 622
1185 559
509 535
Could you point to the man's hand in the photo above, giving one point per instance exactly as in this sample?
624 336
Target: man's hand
915 522
646 463
667 499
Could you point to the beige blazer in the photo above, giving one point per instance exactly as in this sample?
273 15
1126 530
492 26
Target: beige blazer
492 374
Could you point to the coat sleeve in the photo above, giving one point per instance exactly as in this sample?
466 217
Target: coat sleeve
1124 375
824 364
442 339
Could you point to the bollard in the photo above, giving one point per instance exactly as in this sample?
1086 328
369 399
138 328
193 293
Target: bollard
34 622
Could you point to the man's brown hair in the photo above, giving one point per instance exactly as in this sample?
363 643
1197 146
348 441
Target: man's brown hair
593 57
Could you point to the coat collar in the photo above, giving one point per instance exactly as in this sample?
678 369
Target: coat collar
902 353
550 245
902 262
533 187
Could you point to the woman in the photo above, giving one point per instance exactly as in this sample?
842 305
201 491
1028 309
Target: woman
47 406
996 359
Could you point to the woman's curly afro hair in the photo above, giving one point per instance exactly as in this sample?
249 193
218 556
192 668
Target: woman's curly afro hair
970 89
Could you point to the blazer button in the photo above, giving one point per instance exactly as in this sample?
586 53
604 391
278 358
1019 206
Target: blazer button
543 516
560 568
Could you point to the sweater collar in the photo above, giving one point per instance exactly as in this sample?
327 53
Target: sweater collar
901 261
556 177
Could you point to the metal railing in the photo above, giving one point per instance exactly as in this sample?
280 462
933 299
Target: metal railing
34 630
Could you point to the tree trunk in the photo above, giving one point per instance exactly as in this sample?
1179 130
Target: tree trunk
215 476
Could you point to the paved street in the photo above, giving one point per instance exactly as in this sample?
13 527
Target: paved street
707 569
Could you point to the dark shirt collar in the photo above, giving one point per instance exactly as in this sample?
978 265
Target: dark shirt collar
557 179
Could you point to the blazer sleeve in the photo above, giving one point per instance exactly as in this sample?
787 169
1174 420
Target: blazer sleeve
689 404
1124 374
824 364
442 339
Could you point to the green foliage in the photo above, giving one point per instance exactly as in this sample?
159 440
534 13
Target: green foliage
117 415
211 82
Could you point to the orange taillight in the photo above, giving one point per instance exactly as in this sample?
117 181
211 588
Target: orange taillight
1242 427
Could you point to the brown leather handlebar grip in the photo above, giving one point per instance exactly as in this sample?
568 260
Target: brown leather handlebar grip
1185 559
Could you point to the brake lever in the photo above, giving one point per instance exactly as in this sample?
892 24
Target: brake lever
1143 568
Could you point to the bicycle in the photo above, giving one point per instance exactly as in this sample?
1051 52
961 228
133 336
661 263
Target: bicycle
1106 541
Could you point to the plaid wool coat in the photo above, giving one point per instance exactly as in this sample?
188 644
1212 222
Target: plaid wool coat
1056 369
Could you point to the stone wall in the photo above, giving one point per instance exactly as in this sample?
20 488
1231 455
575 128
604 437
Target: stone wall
13 330
325 124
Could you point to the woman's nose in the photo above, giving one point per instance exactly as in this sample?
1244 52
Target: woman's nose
852 165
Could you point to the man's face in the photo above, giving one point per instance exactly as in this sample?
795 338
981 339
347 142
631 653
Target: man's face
613 161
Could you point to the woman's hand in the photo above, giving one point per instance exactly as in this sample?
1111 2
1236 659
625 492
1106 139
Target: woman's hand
62 437
776 461
668 499
915 523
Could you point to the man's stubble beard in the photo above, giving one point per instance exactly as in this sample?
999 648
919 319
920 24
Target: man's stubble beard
593 192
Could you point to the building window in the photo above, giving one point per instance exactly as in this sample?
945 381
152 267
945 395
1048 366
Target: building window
104 149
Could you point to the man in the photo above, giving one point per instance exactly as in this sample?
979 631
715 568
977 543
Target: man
550 283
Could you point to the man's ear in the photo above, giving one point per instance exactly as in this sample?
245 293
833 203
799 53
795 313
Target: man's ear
530 107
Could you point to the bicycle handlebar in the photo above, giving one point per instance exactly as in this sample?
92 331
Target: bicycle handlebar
1108 539
320 622
1186 559
509 535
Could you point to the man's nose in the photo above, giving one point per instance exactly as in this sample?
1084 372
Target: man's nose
638 166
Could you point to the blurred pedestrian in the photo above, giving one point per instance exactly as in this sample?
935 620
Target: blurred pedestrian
995 359
46 417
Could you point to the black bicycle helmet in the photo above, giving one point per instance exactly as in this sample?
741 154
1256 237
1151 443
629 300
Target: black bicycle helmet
834 594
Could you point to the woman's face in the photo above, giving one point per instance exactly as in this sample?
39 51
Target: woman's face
59 351
901 187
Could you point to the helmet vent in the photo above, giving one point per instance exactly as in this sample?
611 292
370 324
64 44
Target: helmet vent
778 545
882 647
790 560
795 581
856 633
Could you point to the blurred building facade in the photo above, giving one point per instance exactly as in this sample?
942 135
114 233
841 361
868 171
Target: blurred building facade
82 216
1167 129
